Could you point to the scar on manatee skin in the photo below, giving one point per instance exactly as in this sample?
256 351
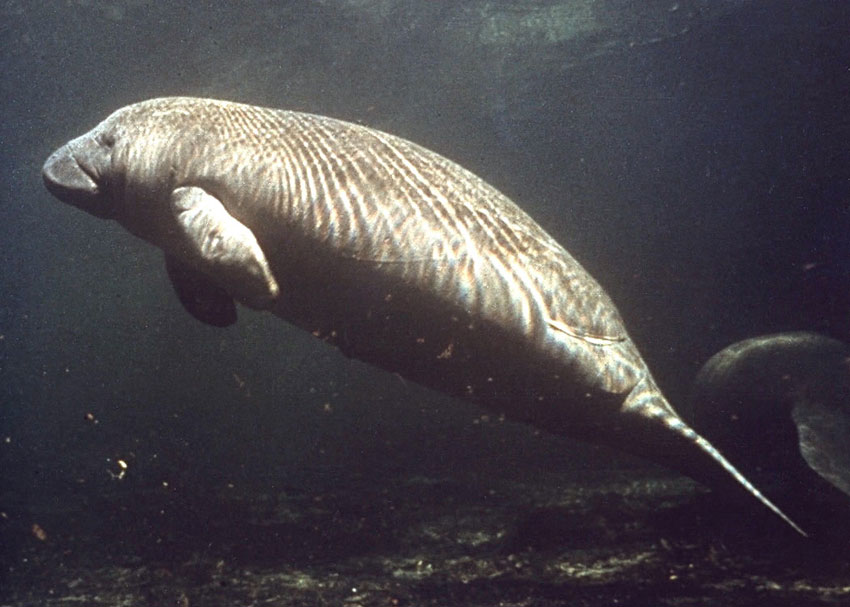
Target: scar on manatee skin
379 260
596 340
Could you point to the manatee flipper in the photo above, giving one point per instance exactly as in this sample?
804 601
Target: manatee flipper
217 244
201 298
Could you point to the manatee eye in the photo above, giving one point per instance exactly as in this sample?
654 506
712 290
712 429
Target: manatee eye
106 140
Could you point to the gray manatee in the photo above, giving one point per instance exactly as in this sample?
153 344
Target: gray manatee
386 250
780 405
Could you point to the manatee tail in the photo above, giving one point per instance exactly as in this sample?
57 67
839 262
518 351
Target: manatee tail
697 457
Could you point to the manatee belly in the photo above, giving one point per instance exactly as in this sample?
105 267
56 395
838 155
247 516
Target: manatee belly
371 314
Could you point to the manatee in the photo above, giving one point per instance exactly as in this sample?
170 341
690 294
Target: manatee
392 253
788 394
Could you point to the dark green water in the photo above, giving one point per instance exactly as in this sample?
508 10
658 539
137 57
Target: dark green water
692 155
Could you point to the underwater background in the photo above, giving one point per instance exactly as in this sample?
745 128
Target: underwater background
692 155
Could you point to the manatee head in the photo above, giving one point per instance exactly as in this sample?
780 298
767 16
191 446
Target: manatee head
126 167
80 172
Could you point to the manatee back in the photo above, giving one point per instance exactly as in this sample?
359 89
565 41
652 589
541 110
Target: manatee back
330 201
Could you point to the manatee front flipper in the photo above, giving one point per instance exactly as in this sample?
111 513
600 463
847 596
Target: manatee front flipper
223 254
201 298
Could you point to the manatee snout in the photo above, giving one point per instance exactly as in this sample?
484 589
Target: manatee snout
75 172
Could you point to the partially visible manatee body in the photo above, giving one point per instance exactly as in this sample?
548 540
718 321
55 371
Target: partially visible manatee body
388 251
779 405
